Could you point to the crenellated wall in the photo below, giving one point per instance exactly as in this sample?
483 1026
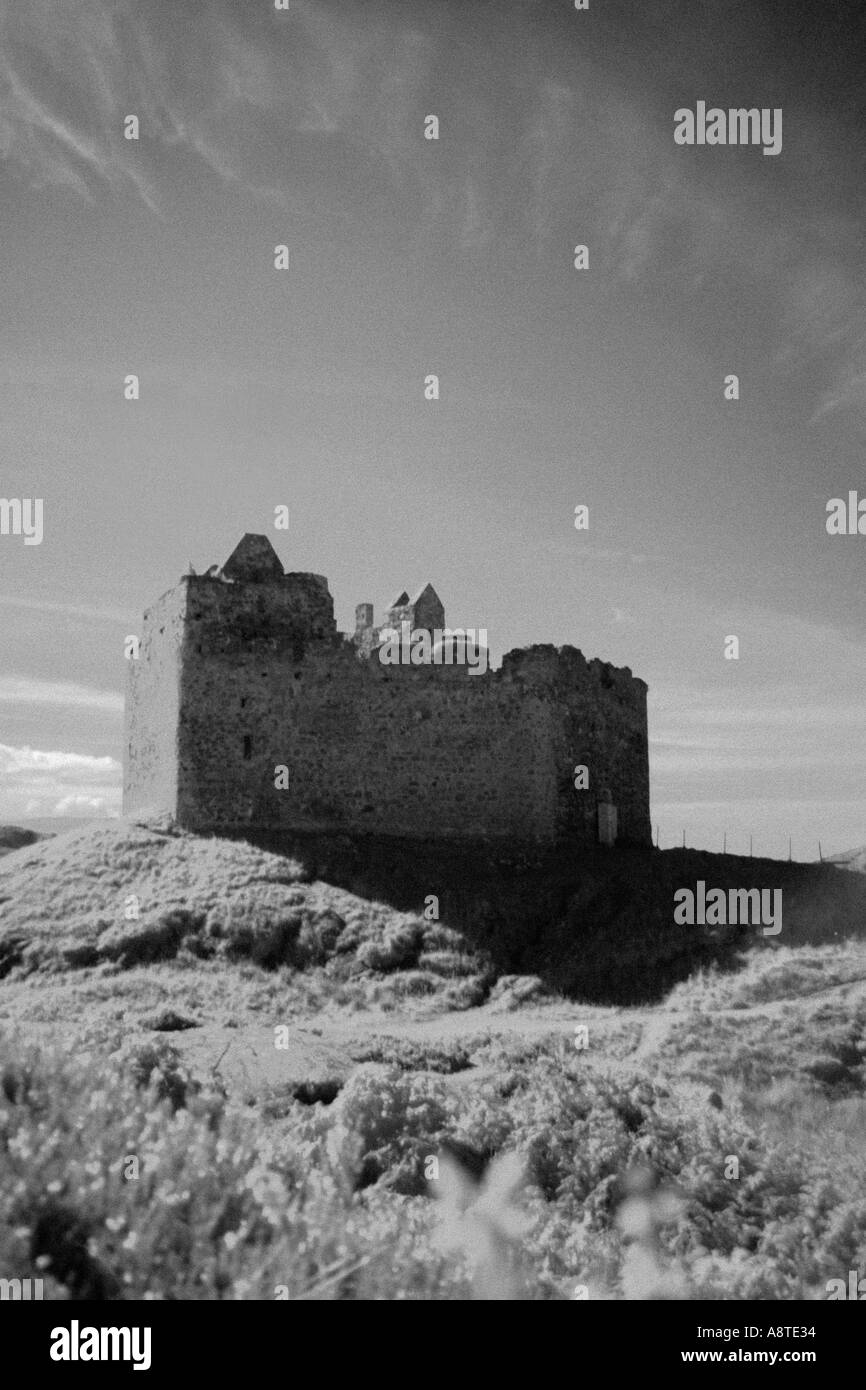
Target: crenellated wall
261 679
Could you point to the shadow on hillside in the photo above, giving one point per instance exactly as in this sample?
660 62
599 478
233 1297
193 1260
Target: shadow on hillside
597 926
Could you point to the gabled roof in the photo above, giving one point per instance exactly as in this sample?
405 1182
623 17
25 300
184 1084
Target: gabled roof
253 558
400 601
426 590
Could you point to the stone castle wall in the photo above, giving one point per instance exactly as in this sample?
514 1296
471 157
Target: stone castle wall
152 709
265 680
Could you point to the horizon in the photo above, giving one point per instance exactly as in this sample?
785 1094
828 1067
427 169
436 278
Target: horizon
56 825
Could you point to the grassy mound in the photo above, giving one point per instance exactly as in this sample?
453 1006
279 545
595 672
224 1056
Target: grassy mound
130 895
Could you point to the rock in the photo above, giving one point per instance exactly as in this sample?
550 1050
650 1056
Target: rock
167 1021
15 837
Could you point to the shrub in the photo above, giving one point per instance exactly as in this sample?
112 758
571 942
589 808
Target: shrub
397 948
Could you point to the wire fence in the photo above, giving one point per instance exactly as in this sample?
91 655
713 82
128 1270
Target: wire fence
743 844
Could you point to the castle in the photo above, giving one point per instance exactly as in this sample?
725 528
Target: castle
247 710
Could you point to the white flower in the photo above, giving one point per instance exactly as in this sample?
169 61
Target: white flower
483 1221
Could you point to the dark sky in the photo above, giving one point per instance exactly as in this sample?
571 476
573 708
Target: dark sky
558 387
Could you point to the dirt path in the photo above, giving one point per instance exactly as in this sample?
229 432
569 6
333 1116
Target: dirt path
329 1046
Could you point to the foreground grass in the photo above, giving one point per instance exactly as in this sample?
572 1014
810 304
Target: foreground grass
707 1147
124 1175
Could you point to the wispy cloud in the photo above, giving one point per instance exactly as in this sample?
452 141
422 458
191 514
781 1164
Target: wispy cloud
30 690
46 132
706 763
73 610
70 75
544 143
744 715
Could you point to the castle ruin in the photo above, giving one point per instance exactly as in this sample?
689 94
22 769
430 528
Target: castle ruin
242 671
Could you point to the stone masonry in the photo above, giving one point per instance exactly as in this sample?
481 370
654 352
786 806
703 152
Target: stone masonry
242 671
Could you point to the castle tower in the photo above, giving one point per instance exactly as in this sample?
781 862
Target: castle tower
423 611
212 649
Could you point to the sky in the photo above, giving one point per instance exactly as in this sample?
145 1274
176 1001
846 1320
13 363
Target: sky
559 387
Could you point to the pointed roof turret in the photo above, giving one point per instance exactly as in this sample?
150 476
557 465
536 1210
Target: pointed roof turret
255 560
426 591
427 608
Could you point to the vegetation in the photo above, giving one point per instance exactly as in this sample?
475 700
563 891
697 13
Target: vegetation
429 1132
